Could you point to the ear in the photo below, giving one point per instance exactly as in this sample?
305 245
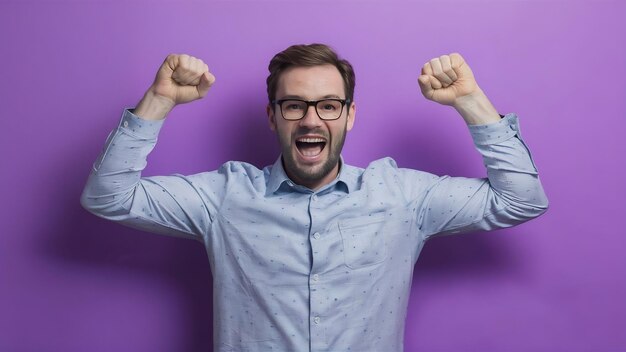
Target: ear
271 117
351 116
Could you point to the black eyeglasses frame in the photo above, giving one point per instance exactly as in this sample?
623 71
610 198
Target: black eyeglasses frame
313 103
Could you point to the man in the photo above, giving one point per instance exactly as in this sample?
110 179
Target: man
310 253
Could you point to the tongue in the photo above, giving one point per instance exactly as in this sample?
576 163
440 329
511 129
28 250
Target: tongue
310 149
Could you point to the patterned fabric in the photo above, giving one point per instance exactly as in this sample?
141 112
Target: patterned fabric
302 270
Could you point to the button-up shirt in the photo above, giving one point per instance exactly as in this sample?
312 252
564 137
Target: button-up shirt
296 269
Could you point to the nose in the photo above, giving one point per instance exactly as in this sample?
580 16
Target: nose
310 119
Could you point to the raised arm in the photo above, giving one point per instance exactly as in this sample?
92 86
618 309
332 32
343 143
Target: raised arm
512 193
115 190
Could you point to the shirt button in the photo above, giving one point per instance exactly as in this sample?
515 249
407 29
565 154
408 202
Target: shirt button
314 197
316 277
316 320
125 123
317 235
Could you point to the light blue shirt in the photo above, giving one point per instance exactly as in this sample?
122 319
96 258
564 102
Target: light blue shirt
302 270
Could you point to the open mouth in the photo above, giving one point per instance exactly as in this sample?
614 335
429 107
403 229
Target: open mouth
310 146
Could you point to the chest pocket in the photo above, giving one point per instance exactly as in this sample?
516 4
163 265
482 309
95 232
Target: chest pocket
363 241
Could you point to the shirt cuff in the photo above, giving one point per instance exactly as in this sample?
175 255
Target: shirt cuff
496 132
138 127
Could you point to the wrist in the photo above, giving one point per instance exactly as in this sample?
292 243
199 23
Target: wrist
153 106
476 109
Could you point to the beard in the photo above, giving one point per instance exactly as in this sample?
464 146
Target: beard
307 175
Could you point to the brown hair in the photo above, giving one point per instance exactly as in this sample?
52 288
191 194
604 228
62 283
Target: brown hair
309 55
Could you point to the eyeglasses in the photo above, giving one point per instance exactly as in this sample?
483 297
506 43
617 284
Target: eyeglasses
326 109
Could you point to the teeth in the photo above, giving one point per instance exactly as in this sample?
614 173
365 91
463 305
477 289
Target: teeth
311 140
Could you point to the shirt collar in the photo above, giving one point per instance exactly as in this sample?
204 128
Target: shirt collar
346 180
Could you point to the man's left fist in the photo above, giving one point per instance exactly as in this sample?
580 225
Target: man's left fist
446 78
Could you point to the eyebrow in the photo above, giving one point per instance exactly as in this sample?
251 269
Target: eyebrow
329 96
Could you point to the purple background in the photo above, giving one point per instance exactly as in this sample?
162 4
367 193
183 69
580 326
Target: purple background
72 282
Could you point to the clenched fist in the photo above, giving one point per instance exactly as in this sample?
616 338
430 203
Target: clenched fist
449 80
183 78
446 78
180 79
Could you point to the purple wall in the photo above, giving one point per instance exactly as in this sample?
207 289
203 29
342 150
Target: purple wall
72 282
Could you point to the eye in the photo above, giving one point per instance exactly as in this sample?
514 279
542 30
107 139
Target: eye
330 105
293 105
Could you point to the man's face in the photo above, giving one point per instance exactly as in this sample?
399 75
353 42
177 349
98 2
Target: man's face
311 146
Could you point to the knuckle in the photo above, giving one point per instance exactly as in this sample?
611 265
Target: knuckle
184 59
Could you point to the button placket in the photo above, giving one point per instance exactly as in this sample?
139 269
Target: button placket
319 250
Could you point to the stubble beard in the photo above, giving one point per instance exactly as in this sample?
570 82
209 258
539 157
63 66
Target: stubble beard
309 175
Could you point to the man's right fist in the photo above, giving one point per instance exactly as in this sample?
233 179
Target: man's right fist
182 78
